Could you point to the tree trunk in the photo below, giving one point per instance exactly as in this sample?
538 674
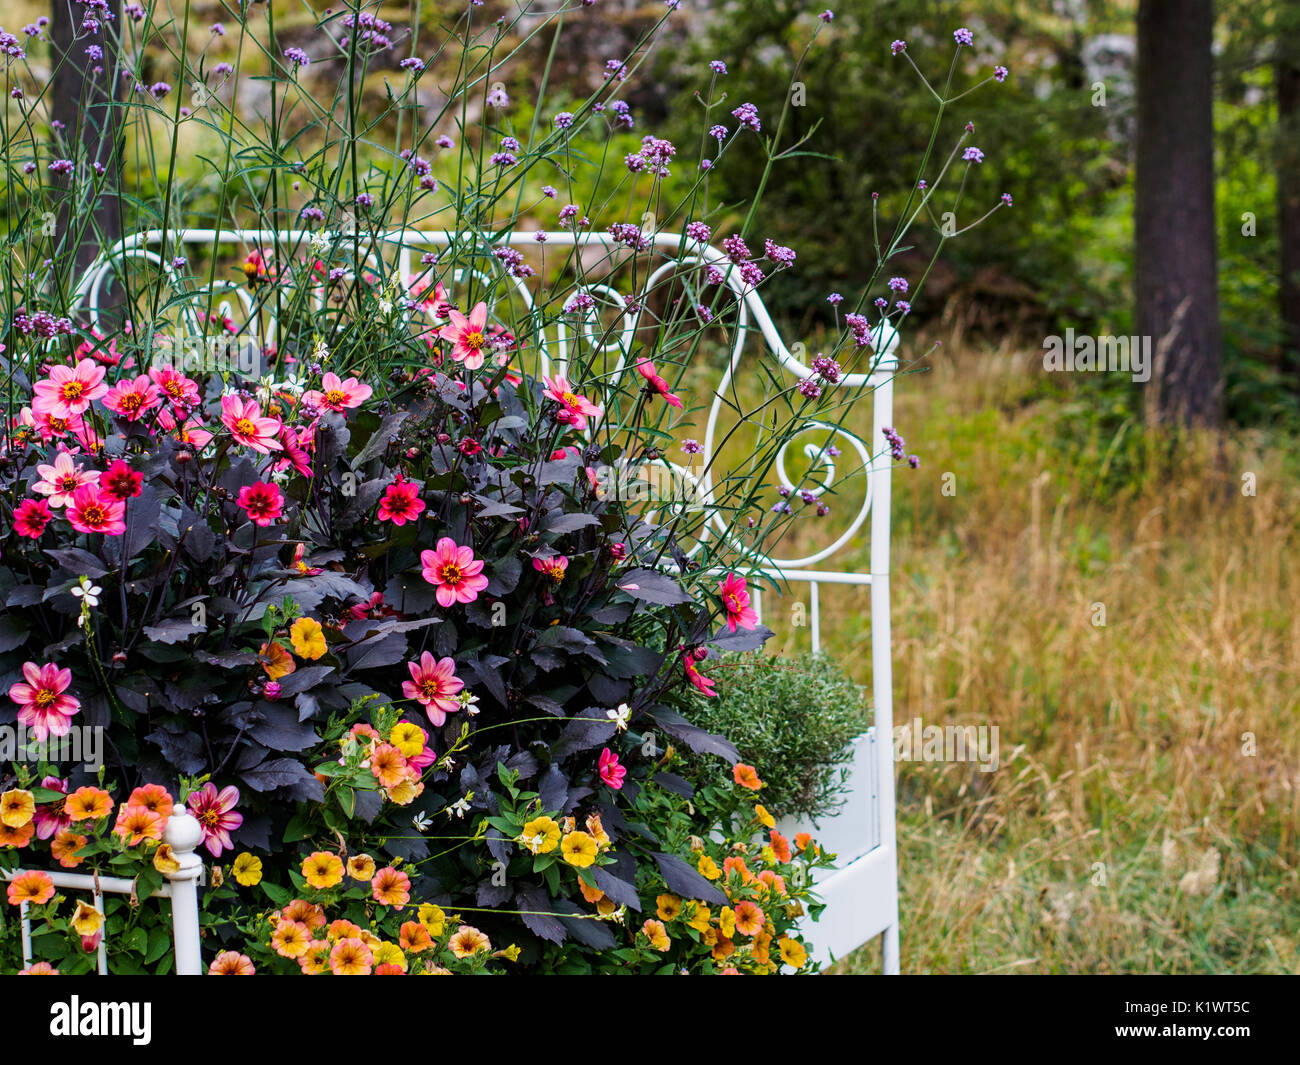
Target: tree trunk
82 102
1287 75
1176 254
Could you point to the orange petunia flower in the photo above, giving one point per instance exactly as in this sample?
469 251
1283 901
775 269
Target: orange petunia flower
669 907
88 804
135 824
308 913
746 776
591 894
342 929
322 870
64 847
34 888
749 918
414 938
276 660
388 765
153 797
657 934
17 837
780 845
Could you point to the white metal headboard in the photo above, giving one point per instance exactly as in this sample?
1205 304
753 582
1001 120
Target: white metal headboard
862 897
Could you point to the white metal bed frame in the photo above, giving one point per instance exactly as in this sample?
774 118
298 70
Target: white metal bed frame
861 896
183 835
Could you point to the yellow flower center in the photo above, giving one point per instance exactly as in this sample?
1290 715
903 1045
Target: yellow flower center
244 427
73 390
474 340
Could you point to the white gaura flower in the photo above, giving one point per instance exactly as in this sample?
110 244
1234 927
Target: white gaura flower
621 716
320 351
468 702
421 822
459 808
320 242
88 593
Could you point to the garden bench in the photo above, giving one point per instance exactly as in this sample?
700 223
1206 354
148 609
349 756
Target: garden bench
862 893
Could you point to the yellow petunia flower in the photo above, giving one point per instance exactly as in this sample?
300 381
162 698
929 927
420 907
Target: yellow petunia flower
17 807
792 952
699 918
164 861
579 849
308 638
407 738
708 868
87 920
247 870
322 869
541 835
669 907
727 921
390 954
433 919
767 820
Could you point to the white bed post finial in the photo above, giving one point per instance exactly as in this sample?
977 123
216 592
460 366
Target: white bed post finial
183 834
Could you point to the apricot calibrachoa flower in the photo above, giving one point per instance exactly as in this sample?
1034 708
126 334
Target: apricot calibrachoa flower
34 888
454 571
434 685
65 845
351 957
231 963
749 918
746 776
291 939
43 705
468 940
135 824
391 887
322 870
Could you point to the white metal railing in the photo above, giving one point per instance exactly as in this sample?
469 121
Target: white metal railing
865 903
183 835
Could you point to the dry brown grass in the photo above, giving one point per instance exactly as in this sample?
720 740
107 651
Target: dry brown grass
1129 828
